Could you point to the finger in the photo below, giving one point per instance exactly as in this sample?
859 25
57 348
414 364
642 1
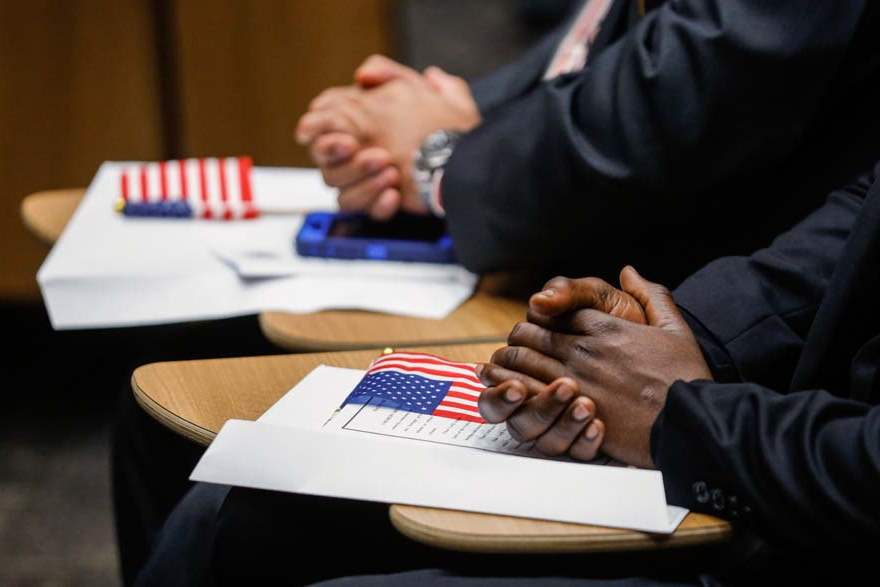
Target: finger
660 308
496 404
365 163
557 345
318 122
586 446
491 374
378 69
359 196
333 148
537 415
529 362
331 96
385 205
562 295
560 437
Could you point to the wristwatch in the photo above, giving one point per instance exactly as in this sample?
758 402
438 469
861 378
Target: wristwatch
428 167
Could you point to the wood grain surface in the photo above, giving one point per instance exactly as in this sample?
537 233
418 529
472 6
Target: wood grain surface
195 398
47 213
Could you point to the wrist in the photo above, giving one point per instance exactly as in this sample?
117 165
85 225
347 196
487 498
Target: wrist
428 166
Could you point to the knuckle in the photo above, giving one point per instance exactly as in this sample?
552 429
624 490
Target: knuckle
509 355
584 349
550 445
513 430
516 331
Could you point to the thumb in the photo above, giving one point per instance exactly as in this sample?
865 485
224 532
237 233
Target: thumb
378 69
562 295
660 308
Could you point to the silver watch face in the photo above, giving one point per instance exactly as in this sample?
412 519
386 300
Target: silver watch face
436 150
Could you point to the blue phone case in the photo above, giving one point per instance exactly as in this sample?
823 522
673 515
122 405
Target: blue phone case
314 240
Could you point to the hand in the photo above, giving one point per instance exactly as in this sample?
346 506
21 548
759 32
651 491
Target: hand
624 367
333 148
561 296
556 418
364 140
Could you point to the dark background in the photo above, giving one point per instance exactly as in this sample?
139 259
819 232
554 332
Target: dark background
85 81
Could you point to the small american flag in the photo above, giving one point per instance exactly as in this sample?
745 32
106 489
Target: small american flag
422 383
215 188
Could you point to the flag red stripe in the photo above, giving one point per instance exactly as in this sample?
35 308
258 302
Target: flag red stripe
460 395
467 407
203 187
421 357
123 185
244 177
221 170
163 181
144 184
184 188
475 388
457 416
428 371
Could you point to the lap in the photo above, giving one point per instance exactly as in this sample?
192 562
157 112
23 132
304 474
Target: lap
440 578
222 536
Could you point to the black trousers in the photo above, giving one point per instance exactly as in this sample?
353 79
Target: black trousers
222 536
151 464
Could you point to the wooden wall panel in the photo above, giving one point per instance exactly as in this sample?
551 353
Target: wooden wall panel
77 86
83 81
247 70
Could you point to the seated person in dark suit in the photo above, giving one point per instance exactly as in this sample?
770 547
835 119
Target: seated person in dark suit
675 126
754 387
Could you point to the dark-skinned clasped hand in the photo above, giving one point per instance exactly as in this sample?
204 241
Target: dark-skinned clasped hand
594 336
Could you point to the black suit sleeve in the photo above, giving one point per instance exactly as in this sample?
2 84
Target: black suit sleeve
515 79
672 107
758 309
802 468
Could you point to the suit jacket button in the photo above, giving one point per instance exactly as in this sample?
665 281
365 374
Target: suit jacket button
701 491
718 500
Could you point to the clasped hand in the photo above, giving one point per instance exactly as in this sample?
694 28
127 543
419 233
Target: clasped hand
364 137
591 367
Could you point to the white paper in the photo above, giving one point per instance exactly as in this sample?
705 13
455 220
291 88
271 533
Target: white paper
299 446
374 468
109 271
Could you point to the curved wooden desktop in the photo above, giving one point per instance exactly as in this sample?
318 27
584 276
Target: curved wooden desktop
195 398
484 317
47 213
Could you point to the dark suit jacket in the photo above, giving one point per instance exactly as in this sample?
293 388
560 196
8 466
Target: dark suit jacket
789 445
704 114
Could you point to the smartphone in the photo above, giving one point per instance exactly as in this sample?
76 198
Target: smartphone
406 237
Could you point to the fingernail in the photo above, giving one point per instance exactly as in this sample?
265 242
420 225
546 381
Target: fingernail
564 393
373 166
478 369
549 292
513 395
592 431
580 413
